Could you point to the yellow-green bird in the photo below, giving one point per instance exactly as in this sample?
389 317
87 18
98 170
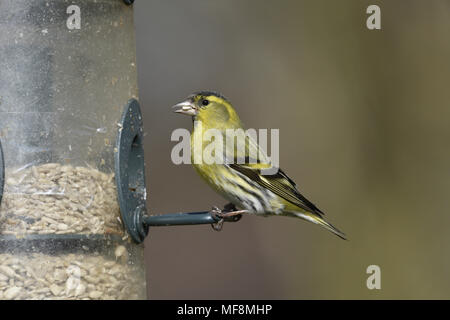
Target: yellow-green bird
239 178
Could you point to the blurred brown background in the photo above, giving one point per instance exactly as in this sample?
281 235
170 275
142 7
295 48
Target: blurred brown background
364 129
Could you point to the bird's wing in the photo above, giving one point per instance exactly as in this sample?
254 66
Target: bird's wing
243 161
279 183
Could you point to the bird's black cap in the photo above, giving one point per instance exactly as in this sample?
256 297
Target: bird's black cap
206 93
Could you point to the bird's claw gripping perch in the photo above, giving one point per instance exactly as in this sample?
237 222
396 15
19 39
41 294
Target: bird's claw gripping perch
228 214
216 214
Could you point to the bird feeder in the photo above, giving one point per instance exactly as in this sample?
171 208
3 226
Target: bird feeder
72 178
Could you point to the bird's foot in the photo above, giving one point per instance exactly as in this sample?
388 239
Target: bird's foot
233 216
216 213
229 214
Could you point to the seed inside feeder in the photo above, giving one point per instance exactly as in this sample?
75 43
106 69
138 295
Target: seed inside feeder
54 199
57 199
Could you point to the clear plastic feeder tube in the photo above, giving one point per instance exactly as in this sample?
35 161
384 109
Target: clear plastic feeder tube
62 93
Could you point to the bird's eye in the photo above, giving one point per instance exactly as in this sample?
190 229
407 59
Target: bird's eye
205 102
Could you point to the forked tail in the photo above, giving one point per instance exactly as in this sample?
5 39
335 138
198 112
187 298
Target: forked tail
314 218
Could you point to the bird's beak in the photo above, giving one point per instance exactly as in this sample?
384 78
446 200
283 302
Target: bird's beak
185 107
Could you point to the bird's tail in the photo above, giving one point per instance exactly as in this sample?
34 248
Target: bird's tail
315 218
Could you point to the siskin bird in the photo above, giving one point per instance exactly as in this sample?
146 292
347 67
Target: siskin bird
237 178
